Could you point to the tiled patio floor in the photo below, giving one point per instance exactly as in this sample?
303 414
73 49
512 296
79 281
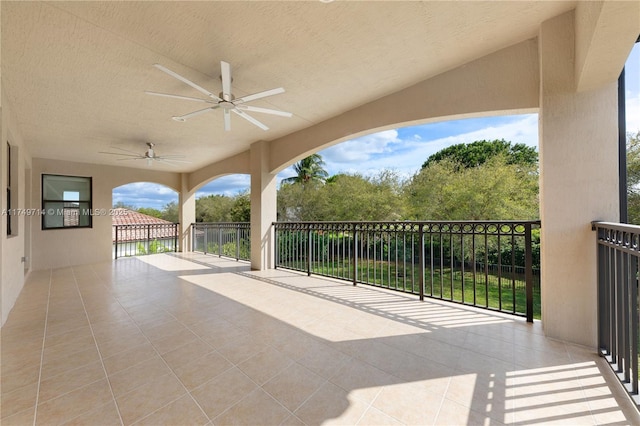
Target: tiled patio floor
193 339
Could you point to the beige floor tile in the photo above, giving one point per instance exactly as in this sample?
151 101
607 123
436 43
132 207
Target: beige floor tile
183 411
54 366
146 371
292 420
373 416
324 360
187 353
362 380
265 365
73 404
174 341
15 378
331 405
118 345
223 391
257 408
452 413
241 348
20 399
78 344
293 385
105 415
129 358
70 380
201 370
409 403
148 398
21 418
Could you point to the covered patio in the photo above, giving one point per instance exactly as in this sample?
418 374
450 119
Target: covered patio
190 338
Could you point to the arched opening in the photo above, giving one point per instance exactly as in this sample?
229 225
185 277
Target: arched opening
144 219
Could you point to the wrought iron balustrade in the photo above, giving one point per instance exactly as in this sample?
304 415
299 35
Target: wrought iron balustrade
489 264
618 253
228 239
141 239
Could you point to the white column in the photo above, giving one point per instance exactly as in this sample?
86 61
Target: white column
187 213
578 184
263 207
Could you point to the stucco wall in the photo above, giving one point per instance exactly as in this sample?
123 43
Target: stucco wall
13 248
57 248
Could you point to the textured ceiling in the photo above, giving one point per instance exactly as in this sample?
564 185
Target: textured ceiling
75 73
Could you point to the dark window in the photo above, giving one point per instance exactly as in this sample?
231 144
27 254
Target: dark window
66 202
8 189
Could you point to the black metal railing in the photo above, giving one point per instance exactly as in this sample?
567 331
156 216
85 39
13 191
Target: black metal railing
228 239
618 253
489 264
141 239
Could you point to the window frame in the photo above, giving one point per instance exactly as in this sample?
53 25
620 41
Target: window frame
8 211
45 208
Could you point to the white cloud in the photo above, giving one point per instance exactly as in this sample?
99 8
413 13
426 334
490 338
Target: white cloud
362 148
411 153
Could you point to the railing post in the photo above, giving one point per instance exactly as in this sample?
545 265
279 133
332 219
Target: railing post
309 248
148 239
176 228
205 230
421 260
219 241
237 241
355 254
528 266
276 246
194 245
116 248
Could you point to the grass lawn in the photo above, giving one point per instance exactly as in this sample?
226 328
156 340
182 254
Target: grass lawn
491 291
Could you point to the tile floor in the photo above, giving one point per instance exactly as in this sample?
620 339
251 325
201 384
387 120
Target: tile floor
197 340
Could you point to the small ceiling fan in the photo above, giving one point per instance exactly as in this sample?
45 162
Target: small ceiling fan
150 155
225 99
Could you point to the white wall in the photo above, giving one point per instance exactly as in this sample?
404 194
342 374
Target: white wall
56 248
12 248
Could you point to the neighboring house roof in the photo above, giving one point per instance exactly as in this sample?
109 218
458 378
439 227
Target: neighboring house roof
136 226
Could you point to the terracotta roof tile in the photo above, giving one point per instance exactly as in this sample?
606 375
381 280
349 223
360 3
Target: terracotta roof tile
136 226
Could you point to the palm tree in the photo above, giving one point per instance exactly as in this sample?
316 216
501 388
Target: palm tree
309 169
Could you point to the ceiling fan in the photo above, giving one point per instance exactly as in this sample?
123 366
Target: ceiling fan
150 155
225 99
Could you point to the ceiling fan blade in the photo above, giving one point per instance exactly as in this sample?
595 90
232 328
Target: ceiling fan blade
118 153
250 119
259 95
225 69
264 110
163 161
129 159
227 120
174 160
187 98
184 80
194 113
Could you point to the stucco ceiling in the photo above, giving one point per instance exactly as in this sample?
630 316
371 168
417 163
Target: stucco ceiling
75 73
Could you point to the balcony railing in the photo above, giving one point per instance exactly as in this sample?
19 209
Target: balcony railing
228 239
141 239
493 265
618 254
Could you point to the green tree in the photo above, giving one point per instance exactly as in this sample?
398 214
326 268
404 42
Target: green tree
150 211
309 169
241 208
355 197
170 212
479 152
214 208
496 189
633 178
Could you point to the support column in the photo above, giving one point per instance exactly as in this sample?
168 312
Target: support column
263 207
187 214
578 183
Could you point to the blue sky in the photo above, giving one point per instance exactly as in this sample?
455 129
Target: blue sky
402 150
